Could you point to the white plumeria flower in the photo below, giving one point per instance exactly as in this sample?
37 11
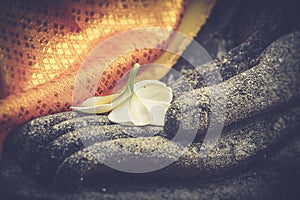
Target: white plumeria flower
143 103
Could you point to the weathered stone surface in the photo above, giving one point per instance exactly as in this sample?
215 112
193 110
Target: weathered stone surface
275 177
239 145
70 143
272 83
34 137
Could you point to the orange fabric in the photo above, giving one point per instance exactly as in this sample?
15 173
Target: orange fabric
43 43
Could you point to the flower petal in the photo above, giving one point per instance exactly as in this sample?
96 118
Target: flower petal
102 104
94 109
143 103
120 114
99 100
158 113
150 103
154 90
138 112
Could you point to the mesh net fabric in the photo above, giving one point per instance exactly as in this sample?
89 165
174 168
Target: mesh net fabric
43 43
